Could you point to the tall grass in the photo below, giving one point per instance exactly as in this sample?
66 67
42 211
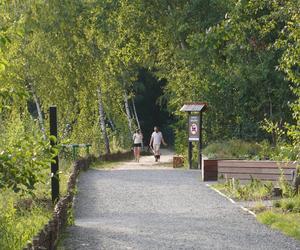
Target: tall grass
291 204
254 190
21 217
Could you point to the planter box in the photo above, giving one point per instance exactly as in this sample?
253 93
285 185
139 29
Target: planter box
245 170
262 170
210 170
178 161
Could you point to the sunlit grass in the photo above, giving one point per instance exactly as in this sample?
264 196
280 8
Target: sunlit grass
288 223
254 190
22 217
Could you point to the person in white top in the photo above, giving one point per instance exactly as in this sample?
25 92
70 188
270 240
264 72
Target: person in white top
155 141
137 144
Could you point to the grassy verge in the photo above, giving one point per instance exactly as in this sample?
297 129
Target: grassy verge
288 223
21 217
284 214
254 191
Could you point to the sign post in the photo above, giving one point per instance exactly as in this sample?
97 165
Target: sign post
195 133
190 145
200 141
54 163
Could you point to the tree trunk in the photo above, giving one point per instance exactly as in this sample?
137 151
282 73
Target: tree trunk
135 114
38 108
40 115
137 119
128 112
29 85
102 121
113 127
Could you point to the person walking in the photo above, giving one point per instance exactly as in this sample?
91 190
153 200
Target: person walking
155 141
137 144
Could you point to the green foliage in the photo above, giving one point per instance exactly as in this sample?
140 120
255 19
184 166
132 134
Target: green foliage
239 149
20 222
286 143
233 149
254 190
24 154
287 190
234 76
287 223
291 204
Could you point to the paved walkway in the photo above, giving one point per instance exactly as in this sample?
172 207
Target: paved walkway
149 206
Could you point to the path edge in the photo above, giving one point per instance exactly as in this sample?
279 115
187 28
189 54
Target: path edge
231 200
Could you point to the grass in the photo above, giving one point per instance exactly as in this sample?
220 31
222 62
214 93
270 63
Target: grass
21 217
289 223
255 190
291 204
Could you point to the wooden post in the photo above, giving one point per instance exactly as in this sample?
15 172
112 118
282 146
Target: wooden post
190 145
54 164
200 142
190 154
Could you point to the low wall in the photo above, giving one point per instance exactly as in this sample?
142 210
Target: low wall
245 170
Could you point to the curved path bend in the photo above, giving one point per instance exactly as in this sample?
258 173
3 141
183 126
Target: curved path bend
150 206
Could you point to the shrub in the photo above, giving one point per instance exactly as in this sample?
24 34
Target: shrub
23 155
291 204
239 149
233 149
255 190
288 205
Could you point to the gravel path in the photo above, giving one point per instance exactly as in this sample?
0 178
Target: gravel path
146 206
